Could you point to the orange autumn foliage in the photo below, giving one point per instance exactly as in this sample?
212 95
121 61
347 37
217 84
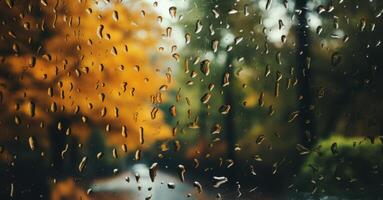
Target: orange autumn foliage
93 63
67 189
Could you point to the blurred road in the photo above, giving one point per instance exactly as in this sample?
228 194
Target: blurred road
120 188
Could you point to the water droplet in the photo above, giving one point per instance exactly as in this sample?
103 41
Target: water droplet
215 13
153 171
362 24
142 135
237 40
205 67
319 30
137 176
196 163
137 155
280 24
260 139
232 11
219 180
12 190
114 153
169 31
44 2
103 112
226 79
283 38
100 29
211 29
214 45
63 152
82 164
154 112
115 15
99 155
10 3
216 129
224 109
334 148
181 172
198 26
187 38
173 11
268 4
176 56
198 185
163 88
293 116
321 9
32 143
205 98
17 120
31 109
246 10
173 111
171 185
159 19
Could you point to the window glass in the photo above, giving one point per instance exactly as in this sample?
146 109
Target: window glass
191 99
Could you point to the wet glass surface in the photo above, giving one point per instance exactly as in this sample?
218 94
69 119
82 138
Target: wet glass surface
191 99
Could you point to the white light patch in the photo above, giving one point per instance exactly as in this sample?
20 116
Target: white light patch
314 21
228 38
271 22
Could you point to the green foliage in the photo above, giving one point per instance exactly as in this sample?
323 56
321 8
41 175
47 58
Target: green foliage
344 167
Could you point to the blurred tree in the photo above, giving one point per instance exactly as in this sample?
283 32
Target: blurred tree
70 67
305 97
347 65
245 73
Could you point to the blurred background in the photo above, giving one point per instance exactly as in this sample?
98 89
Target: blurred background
191 99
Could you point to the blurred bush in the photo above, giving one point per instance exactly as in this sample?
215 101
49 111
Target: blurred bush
344 167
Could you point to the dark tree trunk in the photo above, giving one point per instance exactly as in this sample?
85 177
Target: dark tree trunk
230 124
202 122
307 118
57 144
62 168
230 129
